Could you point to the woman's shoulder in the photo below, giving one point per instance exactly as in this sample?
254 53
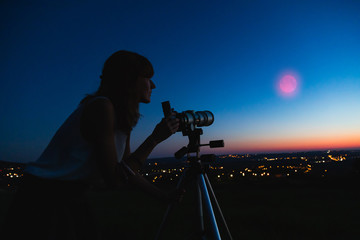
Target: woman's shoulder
97 104
98 113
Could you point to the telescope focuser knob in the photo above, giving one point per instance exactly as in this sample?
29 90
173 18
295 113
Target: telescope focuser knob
216 144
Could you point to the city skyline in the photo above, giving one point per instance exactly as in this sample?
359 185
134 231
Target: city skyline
279 76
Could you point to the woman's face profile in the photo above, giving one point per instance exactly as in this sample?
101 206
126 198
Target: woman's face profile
144 89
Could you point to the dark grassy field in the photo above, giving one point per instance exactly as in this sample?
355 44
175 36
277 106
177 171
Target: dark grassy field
317 210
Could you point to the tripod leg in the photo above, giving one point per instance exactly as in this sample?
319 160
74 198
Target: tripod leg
162 225
170 207
208 205
217 205
200 209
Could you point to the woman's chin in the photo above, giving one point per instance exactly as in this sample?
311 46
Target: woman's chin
145 100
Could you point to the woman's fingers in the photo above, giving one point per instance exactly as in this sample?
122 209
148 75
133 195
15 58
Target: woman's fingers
174 125
165 128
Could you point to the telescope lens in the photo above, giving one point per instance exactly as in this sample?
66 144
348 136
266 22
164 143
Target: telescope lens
204 118
191 119
187 117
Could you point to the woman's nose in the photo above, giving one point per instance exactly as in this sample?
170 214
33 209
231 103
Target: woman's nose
152 84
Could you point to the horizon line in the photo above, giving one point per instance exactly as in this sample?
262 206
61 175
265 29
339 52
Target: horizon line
277 152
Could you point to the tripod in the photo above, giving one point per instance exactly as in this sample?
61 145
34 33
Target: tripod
195 173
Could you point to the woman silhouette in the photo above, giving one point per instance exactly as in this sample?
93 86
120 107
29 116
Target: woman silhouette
91 145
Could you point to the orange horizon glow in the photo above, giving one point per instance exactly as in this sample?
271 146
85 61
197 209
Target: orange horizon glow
294 145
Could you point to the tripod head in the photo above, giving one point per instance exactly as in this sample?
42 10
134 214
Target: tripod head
190 121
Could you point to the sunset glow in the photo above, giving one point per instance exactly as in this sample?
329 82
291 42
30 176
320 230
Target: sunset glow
295 144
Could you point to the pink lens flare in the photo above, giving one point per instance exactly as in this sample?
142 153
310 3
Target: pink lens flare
287 84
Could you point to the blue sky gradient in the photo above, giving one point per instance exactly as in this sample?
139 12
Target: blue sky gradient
222 56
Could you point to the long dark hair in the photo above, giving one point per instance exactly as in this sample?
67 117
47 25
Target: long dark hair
118 82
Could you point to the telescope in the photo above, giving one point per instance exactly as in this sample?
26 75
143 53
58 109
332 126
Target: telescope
190 123
189 119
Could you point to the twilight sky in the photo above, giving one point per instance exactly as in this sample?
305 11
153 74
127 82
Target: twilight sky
278 75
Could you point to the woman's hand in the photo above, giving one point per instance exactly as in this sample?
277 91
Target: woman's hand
165 128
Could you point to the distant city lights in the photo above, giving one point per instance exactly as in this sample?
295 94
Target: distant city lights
236 167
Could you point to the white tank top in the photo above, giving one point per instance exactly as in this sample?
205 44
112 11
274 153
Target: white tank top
68 155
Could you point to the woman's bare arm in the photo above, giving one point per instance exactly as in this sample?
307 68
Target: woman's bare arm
98 127
162 131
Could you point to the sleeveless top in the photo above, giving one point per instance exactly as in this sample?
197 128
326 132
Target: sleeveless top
68 155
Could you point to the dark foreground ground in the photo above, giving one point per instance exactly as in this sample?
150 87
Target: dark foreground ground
316 210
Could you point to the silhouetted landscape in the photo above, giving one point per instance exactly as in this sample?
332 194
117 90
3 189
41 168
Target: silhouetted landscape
308 195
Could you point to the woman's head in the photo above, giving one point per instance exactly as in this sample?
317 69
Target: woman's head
122 73
125 80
